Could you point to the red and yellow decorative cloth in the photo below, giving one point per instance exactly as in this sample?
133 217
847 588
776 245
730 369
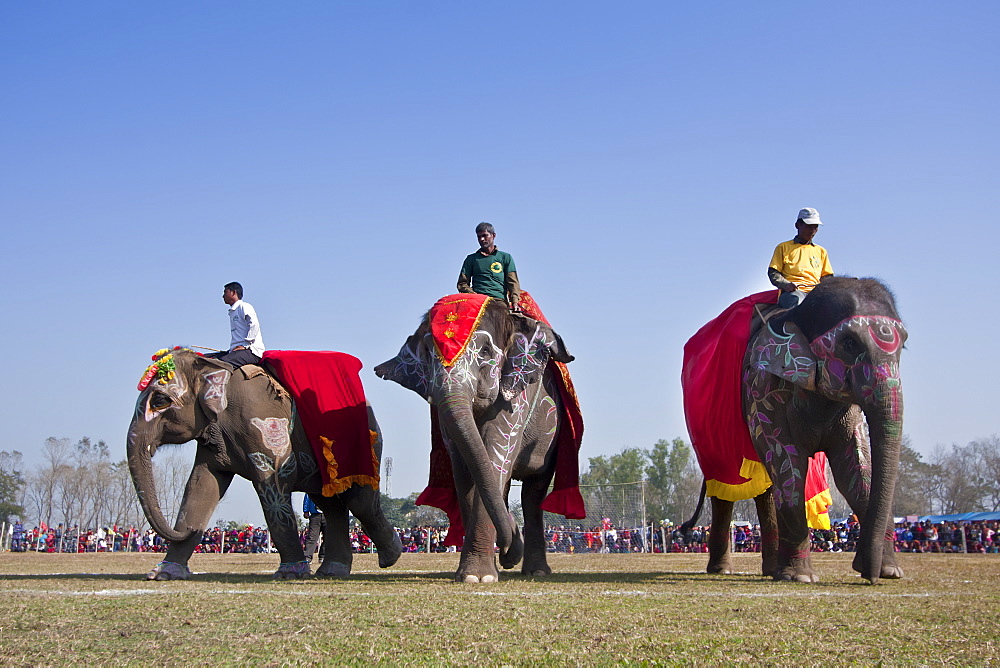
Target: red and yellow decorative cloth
453 319
565 498
330 402
711 378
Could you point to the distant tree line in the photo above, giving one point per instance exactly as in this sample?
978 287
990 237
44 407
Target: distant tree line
79 483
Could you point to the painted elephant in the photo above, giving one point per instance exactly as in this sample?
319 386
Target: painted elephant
245 424
823 376
499 411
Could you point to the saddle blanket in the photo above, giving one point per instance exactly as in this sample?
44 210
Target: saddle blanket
330 402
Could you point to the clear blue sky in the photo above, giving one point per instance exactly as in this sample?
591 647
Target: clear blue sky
640 161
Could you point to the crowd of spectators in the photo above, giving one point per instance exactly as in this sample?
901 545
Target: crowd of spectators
971 537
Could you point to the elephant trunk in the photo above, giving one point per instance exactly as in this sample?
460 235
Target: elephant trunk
140 464
885 423
460 425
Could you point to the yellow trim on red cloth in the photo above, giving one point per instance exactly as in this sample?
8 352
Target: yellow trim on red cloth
757 482
338 485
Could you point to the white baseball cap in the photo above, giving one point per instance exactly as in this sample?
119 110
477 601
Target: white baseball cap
809 216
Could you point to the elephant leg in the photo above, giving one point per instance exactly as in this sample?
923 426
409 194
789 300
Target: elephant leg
533 491
767 516
205 488
787 470
477 563
338 554
719 543
277 506
366 504
849 453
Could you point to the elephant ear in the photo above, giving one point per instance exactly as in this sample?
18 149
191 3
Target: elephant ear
528 351
214 384
783 350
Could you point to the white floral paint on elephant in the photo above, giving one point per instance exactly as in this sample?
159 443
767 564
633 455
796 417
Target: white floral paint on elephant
276 435
215 387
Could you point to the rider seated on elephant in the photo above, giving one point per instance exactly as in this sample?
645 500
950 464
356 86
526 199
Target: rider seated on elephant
246 345
797 266
490 271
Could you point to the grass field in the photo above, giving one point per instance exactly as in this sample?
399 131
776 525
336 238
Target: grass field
595 609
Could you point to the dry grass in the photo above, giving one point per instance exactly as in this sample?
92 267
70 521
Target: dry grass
596 609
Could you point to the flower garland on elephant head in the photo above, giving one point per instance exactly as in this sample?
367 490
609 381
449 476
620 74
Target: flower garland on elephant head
163 367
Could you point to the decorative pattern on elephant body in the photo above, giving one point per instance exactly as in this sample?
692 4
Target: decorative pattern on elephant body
530 357
481 353
215 388
875 380
764 392
782 354
276 435
275 503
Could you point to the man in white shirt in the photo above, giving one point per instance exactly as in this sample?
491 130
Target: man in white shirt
246 345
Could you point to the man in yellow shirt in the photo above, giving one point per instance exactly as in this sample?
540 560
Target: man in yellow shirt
797 266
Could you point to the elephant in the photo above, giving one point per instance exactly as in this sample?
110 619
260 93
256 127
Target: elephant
244 423
499 412
823 376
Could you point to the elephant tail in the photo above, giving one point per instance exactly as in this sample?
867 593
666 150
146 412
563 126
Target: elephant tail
697 511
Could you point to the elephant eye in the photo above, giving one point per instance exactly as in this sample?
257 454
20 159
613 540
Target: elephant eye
159 401
850 345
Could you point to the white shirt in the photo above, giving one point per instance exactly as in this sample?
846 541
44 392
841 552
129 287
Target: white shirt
245 328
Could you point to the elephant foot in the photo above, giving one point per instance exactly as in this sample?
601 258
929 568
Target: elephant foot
511 557
790 574
168 570
334 569
890 570
293 571
719 568
535 568
477 570
390 555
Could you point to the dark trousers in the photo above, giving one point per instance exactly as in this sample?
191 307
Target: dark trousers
317 526
236 357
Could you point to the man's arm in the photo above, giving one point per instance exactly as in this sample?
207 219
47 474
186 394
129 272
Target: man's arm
513 289
251 319
464 283
779 281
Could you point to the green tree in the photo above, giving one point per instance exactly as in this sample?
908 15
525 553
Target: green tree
10 488
11 484
674 481
626 466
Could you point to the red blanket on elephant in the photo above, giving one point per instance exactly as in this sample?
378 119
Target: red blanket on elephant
330 402
565 498
711 378
453 319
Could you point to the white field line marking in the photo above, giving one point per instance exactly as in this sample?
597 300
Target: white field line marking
459 592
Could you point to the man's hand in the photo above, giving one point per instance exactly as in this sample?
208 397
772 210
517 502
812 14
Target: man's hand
790 287
239 348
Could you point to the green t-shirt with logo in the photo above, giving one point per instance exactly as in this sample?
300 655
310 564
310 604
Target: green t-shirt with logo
488 272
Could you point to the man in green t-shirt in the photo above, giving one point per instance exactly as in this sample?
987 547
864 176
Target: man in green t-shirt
490 271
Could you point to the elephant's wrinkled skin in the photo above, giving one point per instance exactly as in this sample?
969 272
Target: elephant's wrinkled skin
241 425
499 411
813 376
